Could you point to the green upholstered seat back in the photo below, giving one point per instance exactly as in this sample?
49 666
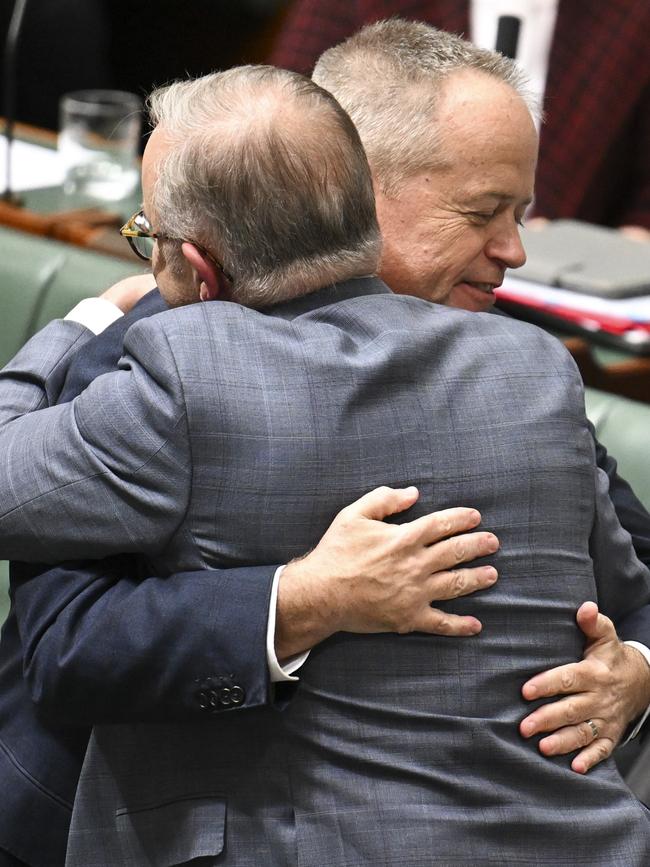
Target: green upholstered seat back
623 427
41 279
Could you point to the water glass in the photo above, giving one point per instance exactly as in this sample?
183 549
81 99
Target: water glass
98 143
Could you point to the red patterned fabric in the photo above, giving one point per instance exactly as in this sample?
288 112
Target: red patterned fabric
595 147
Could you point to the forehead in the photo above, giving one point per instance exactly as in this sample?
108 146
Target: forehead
487 136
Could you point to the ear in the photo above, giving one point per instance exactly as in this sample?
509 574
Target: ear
212 281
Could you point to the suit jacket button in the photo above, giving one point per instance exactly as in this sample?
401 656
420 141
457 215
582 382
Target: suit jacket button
237 695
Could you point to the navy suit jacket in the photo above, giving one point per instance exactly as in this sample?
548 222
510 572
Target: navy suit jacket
106 642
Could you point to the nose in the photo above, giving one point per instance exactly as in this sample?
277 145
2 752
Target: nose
505 245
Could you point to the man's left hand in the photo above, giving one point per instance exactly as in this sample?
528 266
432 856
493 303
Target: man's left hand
604 692
126 293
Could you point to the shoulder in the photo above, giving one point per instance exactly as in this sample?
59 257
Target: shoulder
498 342
461 325
186 338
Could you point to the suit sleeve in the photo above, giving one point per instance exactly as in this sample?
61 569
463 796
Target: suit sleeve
622 580
104 642
634 625
108 473
35 378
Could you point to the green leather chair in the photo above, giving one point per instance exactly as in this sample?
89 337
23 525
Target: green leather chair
42 279
623 427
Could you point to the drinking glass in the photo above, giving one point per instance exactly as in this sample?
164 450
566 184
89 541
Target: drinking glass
98 143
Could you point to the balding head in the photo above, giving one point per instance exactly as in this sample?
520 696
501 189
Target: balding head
390 78
263 169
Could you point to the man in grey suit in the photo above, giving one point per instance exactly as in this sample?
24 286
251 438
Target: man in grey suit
450 228
397 748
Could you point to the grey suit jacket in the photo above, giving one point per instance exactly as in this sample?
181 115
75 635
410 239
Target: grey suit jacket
397 749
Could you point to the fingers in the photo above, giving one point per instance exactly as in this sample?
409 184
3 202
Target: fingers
563 680
571 738
595 626
460 582
588 695
461 549
586 736
596 752
429 529
554 716
382 502
439 525
567 740
636 233
128 291
437 622
449 585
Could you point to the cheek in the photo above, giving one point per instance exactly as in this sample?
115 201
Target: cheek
467 250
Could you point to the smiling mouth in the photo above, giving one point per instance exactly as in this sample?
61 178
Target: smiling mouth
488 288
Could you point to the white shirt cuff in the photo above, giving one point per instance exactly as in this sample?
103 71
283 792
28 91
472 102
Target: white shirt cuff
96 314
285 671
645 652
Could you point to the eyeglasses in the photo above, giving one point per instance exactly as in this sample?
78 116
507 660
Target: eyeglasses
139 232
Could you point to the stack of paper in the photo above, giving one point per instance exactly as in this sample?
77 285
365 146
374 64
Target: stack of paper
32 166
624 322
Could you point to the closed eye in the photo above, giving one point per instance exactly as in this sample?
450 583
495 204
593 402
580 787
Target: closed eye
481 216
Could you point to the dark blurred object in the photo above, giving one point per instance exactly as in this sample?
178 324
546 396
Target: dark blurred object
84 44
595 146
64 46
161 40
12 43
508 36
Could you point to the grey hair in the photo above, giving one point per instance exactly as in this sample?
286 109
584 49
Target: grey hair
389 77
267 173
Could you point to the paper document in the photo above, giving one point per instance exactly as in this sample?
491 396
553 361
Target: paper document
637 308
32 166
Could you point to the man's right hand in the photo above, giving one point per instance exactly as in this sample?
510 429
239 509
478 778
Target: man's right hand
368 576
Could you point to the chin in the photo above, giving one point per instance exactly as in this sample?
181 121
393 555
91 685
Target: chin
471 299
